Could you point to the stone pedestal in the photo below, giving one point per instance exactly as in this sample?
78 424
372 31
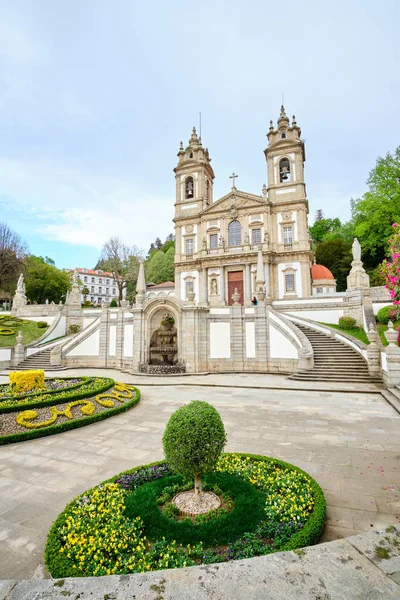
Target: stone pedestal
55 356
374 353
391 375
19 352
357 278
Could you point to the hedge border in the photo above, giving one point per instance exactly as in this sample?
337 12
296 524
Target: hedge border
84 379
67 425
52 402
57 563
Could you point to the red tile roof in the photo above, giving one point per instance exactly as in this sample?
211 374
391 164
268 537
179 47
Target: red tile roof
320 272
165 284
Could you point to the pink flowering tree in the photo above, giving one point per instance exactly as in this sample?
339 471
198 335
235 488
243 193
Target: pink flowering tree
391 271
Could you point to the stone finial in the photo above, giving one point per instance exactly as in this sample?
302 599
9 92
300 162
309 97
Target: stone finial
181 146
264 190
19 337
294 123
372 334
391 334
271 125
141 284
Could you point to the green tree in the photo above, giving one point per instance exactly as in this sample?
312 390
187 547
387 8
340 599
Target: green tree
193 440
85 292
323 227
374 213
44 281
156 268
13 252
335 254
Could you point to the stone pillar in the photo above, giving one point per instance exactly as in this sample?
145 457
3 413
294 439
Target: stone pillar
268 298
18 354
391 376
140 355
203 287
119 351
373 353
222 285
262 336
104 337
247 286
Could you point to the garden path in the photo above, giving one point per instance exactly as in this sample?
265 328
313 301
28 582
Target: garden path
347 439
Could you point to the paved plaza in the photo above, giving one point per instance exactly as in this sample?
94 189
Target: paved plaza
346 436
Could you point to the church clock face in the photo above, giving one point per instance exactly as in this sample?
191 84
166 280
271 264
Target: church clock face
287 215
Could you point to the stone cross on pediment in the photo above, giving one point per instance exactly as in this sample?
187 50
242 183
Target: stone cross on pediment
233 177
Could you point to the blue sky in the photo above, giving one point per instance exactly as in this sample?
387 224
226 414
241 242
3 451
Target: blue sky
95 97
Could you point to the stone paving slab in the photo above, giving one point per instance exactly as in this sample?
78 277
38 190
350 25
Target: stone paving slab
360 475
334 571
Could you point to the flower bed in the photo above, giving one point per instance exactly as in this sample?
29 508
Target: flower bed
112 529
98 399
73 389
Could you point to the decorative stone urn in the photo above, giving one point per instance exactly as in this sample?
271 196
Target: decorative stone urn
190 297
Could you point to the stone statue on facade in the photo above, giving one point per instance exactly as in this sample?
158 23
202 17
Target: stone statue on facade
247 239
214 287
204 243
356 249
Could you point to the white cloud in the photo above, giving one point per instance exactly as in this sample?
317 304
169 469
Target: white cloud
80 208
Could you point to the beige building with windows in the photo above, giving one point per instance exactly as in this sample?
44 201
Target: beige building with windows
217 242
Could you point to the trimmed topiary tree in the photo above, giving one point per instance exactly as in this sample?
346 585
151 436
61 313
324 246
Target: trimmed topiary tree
193 441
113 303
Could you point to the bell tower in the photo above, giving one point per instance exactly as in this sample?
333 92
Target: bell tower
285 156
194 178
290 243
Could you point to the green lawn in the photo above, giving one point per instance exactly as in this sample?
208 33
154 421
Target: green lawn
381 330
30 331
355 332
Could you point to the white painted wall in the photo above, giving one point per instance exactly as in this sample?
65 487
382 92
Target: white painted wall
48 320
220 340
383 361
58 331
112 347
280 346
219 311
89 347
5 354
250 339
323 316
281 278
88 320
128 340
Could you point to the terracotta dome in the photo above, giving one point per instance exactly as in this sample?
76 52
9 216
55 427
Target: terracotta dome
320 272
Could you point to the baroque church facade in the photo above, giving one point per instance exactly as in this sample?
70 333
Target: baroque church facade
218 242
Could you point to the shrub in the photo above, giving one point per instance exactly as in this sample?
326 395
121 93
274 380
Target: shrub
42 324
385 314
347 322
193 440
73 329
113 303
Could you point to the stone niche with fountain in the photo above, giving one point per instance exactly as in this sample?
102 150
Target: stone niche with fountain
163 349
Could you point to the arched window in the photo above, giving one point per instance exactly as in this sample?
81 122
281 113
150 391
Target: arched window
189 187
190 154
283 135
208 191
234 234
284 170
